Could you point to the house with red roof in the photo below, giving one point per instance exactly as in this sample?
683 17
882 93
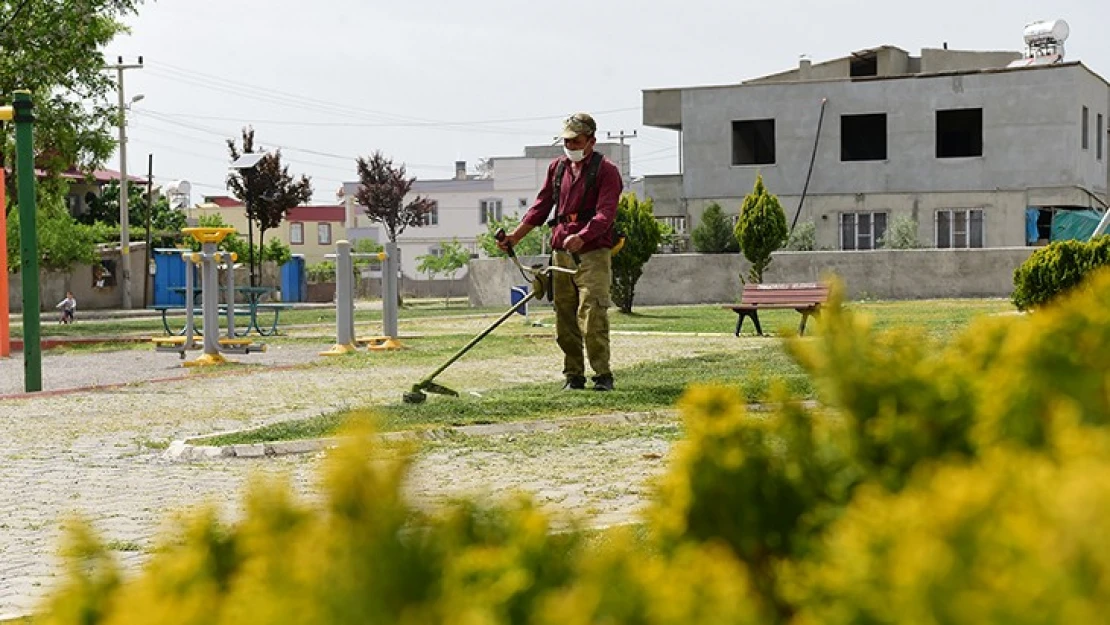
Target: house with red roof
308 230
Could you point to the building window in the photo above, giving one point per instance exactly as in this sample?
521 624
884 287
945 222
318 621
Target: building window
1086 124
323 233
676 224
1098 137
959 133
863 137
489 210
862 230
296 233
753 142
960 228
431 218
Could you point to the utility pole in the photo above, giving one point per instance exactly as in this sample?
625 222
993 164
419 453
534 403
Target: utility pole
149 210
124 270
622 136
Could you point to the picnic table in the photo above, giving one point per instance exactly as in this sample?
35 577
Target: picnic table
253 309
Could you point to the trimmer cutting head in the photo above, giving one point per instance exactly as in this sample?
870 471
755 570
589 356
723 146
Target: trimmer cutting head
417 396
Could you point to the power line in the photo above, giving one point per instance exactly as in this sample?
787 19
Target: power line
286 122
286 97
344 111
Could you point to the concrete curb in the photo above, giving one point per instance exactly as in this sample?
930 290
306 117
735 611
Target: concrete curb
193 449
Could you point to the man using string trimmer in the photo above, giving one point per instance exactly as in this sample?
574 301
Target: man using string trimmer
583 187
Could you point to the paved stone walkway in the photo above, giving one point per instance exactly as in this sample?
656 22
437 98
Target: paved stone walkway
90 452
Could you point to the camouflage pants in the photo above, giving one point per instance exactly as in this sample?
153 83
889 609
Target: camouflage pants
582 311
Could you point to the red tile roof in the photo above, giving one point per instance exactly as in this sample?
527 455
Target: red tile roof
223 201
317 213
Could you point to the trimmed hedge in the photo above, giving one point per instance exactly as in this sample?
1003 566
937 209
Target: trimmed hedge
1056 269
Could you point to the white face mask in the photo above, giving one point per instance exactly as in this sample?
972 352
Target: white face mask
574 155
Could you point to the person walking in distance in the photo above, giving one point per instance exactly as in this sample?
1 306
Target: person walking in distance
580 195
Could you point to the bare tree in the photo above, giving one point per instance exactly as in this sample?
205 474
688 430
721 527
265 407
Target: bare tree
382 192
267 191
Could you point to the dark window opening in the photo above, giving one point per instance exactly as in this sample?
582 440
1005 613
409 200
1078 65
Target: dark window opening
1098 137
863 137
1086 128
864 65
753 142
959 133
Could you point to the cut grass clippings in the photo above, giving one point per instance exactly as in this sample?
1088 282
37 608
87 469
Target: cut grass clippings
644 387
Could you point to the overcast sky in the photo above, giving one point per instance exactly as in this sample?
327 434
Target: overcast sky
429 82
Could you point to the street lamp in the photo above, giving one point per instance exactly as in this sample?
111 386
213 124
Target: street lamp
245 165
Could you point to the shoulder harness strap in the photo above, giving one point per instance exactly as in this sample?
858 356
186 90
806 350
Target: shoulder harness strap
592 170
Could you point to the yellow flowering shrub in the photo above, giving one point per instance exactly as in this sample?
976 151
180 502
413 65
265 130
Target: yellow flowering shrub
958 483
1016 538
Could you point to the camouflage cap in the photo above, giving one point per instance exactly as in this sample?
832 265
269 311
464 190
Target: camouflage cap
578 124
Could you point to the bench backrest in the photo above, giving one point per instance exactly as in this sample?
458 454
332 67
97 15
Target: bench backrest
800 293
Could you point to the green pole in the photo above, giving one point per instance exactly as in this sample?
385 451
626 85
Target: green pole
28 240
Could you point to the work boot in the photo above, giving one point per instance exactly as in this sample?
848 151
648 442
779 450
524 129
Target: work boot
575 383
603 382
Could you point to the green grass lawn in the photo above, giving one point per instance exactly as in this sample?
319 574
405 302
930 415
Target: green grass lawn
644 387
939 317
647 386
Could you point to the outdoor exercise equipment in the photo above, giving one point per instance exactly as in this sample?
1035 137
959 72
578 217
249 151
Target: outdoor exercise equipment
540 280
390 296
214 346
182 344
21 112
345 342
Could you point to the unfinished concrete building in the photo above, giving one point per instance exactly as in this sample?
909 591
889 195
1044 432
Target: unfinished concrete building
980 149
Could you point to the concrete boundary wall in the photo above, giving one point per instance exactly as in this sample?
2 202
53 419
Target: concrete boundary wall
714 278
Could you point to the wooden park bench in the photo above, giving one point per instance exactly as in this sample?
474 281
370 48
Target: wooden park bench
806 298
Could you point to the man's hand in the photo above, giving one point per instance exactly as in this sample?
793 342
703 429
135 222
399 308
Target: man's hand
509 240
574 243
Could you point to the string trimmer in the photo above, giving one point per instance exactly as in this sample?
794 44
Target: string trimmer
540 281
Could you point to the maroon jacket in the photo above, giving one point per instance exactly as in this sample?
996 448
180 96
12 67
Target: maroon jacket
598 232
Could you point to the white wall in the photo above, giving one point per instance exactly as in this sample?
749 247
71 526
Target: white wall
516 181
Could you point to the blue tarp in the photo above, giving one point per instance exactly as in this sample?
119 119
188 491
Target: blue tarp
1074 224
1031 233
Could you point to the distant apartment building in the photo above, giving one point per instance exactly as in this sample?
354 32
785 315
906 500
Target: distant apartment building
972 146
465 203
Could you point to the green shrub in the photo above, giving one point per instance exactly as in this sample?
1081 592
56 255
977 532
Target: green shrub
714 233
761 229
643 233
1057 268
901 234
803 238
323 271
